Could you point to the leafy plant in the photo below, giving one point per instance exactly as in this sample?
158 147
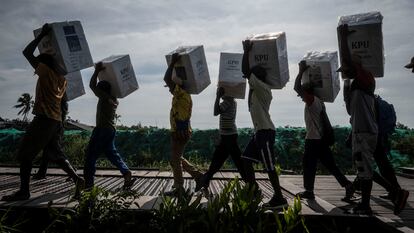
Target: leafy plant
98 210
5 226
235 209
291 217
181 214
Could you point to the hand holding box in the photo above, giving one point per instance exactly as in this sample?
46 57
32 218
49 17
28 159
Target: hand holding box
322 74
67 43
269 51
120 74
231 76
366 40
191 68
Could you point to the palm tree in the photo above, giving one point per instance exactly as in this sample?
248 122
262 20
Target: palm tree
25 104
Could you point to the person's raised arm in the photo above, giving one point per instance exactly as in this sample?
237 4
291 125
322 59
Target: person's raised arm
219 94
346 58
168 73
94 79
247 46
298 80
31 47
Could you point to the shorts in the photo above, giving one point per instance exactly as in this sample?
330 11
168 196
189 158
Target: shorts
260 149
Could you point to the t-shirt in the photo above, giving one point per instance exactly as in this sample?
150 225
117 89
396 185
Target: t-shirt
50 89
362 109
181 108
313 119
260 97
228 110
105 109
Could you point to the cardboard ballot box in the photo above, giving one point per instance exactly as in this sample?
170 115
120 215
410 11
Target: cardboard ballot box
269 51
75 86
67 43
322 74
231 76
367 40
191 68
120 74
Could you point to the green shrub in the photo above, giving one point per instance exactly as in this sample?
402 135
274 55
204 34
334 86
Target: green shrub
150 147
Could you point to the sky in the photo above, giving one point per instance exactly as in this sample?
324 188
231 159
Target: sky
148 30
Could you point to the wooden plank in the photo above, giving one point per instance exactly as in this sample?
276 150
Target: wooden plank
318 205
165 174
230 175
217 175
44 199
56 189
261 175
33 196
152 174
116 184
139 172
407 170
214 187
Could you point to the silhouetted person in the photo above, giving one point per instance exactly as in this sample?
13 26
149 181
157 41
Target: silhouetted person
228 138
102 140
180 115
46 126
386 176
47 153
316 148
260 147
360 104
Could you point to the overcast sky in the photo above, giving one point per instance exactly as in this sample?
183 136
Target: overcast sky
147 30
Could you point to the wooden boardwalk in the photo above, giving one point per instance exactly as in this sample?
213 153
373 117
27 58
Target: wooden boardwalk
150 183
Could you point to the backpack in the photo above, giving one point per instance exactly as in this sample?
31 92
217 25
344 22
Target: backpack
386 116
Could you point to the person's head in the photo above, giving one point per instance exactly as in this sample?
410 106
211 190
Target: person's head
177 80
259 72
308 90
410 65
48 60
104 86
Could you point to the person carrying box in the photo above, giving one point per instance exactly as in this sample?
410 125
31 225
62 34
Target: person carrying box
48 152
228 138
315 147
180 115
44 130
260 147
103 135
360 104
